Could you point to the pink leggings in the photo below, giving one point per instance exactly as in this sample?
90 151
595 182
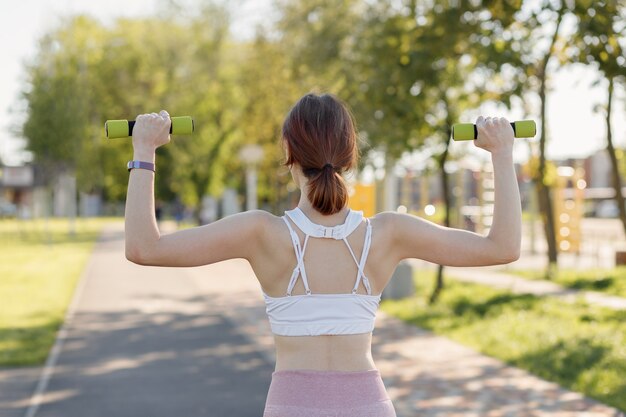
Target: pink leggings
313 393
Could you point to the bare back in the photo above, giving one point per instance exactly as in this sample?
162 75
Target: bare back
330 269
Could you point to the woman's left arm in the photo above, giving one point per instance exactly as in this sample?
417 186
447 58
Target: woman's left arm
234 236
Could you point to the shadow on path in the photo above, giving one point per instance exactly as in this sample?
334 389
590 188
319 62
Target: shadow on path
159 364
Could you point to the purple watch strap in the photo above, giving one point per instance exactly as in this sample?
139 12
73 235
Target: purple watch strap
141 164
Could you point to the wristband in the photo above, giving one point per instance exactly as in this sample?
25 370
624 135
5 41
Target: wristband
140 164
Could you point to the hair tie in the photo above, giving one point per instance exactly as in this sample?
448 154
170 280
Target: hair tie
327 165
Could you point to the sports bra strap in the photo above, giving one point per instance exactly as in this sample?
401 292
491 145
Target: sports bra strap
366 249
300 258
305 224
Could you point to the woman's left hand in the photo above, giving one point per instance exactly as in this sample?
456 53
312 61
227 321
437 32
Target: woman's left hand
151 131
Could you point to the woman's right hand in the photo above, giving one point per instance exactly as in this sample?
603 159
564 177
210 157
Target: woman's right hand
495 135
151 131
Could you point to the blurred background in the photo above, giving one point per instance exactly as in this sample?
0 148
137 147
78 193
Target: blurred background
409 69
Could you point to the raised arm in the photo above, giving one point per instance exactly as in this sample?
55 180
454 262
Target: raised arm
419 238
234 236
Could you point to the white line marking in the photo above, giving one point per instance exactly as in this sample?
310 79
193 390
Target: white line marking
46 373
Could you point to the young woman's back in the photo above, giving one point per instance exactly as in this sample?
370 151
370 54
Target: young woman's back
330 269
322 266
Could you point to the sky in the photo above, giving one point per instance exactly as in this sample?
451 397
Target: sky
574 130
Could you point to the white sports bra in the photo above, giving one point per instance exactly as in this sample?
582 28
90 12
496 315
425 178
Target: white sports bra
323 314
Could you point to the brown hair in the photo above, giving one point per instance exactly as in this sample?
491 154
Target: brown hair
318 131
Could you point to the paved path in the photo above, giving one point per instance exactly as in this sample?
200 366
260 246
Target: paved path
519 285
498 278
196 342
16 388
145 341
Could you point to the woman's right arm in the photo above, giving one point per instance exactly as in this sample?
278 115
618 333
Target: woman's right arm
418 238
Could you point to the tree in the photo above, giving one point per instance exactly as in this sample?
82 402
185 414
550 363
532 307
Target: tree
600 26
270 91
428 67
85 74
535 38
60 104
543 189
317 36
212 93
406 67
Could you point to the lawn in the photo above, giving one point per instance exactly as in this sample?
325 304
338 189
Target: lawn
40 264
581 347
609 281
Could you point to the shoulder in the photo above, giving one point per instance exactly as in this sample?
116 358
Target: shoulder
396 225
384 229
266 223
250 224
261 215
270 234
258 228
261 219
383 221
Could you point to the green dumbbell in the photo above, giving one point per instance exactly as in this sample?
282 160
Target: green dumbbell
182 125
468 131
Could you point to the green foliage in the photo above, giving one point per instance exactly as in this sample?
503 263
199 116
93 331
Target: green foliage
318 38
597 41
550 171
86 73
575 345
264 77
409 69
60 109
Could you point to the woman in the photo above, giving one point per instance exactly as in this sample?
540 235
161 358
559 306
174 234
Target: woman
322 308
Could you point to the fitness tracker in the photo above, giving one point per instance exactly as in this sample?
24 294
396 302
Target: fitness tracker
140 164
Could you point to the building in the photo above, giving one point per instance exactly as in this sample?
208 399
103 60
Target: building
17 184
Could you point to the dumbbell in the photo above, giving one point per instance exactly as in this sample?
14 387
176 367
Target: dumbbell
468 131
181 125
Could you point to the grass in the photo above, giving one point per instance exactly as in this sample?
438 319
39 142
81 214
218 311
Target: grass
609 281
40 264
578 346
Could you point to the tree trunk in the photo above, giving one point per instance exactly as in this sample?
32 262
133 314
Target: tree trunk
439 284
617 179
543 190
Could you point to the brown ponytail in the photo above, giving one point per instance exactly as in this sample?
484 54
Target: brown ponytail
320 134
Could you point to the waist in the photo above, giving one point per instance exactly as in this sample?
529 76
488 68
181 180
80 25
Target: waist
324 353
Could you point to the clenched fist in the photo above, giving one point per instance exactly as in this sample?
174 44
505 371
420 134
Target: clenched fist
495 135
151 131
